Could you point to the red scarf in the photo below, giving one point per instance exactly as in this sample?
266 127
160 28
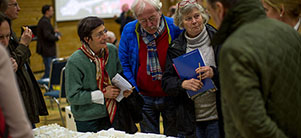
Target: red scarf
102 77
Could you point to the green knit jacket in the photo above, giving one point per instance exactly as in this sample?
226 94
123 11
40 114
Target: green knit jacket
260 74
80 81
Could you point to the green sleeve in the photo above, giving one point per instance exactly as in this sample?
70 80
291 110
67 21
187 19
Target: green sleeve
242 99
76 94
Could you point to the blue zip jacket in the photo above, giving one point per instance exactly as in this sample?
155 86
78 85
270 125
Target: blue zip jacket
129 47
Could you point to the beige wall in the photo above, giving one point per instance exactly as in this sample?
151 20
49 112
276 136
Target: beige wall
31 13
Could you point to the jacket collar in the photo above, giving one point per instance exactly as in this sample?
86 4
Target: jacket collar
245 11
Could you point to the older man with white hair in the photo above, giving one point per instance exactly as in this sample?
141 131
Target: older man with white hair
142 52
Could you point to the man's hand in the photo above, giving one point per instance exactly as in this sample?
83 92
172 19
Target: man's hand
111 92
26 37
14 63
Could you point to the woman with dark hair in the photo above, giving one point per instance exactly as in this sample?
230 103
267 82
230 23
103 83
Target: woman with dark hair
198 116
13 119
90 92
3 5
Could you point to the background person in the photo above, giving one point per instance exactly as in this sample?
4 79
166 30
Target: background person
112 38
11 104
125 17
172 11
47 37
3 5
287 11
31 94
142 52
259 71
196 117
5 37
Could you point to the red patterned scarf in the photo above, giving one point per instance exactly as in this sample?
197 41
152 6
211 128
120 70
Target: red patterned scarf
102 77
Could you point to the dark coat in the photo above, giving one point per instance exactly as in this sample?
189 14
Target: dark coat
129 112
171 84
46 38
31 94
260 75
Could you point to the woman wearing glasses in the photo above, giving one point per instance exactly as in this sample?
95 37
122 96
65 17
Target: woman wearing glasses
89 90
196 117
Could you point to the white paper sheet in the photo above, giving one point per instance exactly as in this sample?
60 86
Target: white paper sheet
122 84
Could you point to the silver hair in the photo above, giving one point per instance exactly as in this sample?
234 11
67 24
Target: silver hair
138 6
111 35
180 12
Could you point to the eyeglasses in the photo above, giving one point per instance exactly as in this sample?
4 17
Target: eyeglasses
13 4
101 33
185 2
150 19
196 17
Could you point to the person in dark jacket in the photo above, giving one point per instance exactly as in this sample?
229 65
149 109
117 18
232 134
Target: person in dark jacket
47 37
196 117
32 96
259 65
125 17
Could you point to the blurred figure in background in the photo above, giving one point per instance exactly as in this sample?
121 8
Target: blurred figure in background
125 17
112 38
287 11
3 5
259 69
19 50
47 37
13 119
171 11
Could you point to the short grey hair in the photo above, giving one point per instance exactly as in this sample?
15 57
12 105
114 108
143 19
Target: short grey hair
181 11
138 6
111 35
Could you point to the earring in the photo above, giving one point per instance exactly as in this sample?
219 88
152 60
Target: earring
280 15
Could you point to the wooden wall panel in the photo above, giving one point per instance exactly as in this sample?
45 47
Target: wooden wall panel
31 13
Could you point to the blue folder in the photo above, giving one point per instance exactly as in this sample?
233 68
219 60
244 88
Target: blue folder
185 66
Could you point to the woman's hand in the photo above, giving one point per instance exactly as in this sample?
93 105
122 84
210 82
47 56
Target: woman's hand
207 72
26 37
192 84
111 92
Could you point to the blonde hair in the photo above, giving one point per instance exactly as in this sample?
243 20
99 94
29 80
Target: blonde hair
291 7
181 11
